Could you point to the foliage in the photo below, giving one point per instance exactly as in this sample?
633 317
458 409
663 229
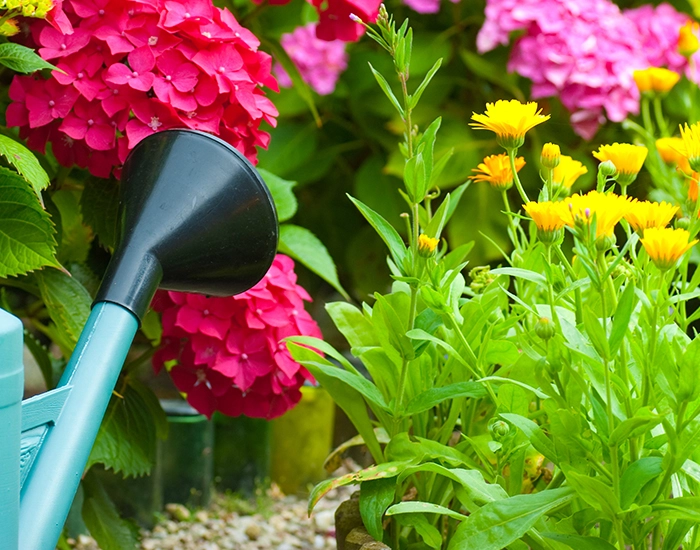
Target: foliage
549 403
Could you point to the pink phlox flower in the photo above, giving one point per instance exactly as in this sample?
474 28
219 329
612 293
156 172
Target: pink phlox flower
49 101
55 44
423 6
80 70
137 74
89 122
186 13
335 22
320 62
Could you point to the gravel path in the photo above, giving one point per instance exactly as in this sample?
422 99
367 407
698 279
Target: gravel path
274 521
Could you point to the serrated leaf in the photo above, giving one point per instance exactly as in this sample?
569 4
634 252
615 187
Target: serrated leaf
22 59
99 204
302 245
26 231
126 442
102 518
25 163
67 301
282 194
75 237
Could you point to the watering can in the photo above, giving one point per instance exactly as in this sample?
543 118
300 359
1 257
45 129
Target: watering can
194 216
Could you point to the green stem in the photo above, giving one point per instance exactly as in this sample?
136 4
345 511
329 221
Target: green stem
511 224
550 291
577 292
659 115
516 179
646 116
404 365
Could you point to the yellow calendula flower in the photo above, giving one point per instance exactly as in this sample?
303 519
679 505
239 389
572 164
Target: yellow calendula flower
627 158
688 42
691 145
496 171
568 171
549 217
666 245
427 245
656 80
509 120
551 153
607 209
646 214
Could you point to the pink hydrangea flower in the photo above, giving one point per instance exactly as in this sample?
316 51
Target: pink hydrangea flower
320 62
584 53
135 67
228 352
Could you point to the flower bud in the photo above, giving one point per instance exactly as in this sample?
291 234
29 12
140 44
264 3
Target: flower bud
544 328
427 245
550 155
499 429
605 242
683 223
607 168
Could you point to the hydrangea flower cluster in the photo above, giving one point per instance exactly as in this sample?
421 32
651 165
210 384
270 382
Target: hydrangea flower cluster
228 351
585 54
134 67
425 6
320 62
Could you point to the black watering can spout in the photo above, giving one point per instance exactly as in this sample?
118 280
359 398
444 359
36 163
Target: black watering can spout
194 216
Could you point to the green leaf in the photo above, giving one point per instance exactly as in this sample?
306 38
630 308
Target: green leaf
352 324
300 85
302 245
41 356
415 97
384 85
636 476
526 274
502 522
434 396
22 59
67 302
621 320
689 371
127 440
596 333
102 518
396 327
25 163
633 427
683 508
99 204
282 195
535 435
347 398
385 230
387 470
578 542
75 237
501 352
376 496
428 532
445 211
593 491
26 231
413 507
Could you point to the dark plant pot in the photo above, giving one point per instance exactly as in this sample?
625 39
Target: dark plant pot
185 461
241 453
301 441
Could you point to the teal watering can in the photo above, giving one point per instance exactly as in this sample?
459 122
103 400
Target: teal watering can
194 216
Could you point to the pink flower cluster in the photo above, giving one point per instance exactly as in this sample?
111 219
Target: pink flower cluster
425 6
320 62
228 351
335 22
585 52
134 67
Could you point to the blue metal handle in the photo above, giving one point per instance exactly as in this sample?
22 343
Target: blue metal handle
11 390
91 374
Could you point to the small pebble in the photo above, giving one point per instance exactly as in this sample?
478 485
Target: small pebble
253 531
178 512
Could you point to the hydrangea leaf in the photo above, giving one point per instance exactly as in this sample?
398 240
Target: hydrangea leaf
282 194
102 518
26 232
25 163
21 59
99 205
302 245
126 442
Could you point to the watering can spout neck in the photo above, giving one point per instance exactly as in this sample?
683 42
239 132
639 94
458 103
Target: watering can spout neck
131 281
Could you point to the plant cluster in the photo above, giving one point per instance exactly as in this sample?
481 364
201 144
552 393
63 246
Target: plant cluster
550 403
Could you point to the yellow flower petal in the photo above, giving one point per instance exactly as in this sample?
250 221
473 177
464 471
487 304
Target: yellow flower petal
666 245
509 120
645 214
496 171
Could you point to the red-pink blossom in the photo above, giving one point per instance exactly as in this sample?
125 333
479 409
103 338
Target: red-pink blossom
228 354
138 67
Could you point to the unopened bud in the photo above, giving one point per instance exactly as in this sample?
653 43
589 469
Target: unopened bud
426 245
683 223
607 168
355 18
499 429
544 328
550 155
